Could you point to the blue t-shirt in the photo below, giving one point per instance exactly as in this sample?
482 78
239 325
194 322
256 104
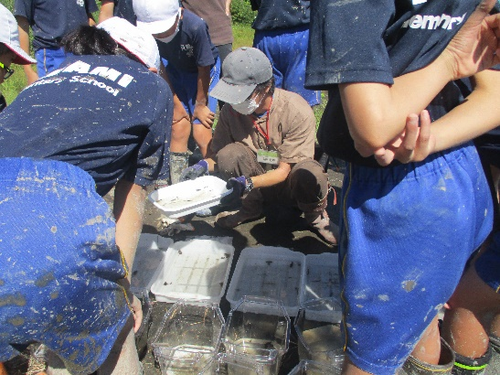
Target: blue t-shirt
51 20
280 14
108 115
391 38
191 47
124 9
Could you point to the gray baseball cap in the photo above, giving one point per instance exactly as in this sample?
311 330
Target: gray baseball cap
243 69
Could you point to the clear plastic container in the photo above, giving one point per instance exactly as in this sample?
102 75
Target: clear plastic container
306 367
188 338
269 272
195 270
148 258
256 336
318 332
321 277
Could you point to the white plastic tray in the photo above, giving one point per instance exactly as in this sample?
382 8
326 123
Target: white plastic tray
186 197
270 272
322 277
194 270
148 257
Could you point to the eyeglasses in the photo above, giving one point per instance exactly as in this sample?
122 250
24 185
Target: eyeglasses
8 71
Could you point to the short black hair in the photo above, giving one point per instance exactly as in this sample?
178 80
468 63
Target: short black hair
90 40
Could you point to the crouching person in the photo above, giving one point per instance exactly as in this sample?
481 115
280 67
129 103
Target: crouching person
264 146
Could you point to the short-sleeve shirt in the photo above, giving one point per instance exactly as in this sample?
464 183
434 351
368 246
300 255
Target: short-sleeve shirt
51 20
108 115
191 47
292 127
214 14
124 9
280 14
391 38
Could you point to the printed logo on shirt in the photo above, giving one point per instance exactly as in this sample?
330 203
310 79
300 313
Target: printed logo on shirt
433 22
80 3
187 49
96 74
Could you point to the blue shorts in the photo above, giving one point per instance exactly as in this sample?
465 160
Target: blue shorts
48 60
406 235
488 264
59 264
186 86
287 50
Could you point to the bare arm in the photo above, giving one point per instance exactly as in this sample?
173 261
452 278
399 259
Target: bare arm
228 7
91 19
201 110
107 8
128 209
24 41
273 177
376 113
478 114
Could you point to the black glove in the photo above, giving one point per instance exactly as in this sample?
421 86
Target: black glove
239 185
197 170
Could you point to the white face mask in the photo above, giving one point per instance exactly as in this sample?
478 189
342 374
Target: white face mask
168 39
247 107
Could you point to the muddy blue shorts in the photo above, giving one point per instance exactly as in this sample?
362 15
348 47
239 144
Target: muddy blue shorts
185 85
58 264
488 264
287 51
406 235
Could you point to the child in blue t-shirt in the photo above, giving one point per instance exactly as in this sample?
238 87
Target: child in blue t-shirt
192 66
50 21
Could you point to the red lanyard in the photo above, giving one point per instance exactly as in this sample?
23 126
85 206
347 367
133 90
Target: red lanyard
259 129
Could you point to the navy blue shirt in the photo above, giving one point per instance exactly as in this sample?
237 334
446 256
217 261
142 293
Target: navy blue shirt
108 115
124 9
280 14
191 47
51 20
391 38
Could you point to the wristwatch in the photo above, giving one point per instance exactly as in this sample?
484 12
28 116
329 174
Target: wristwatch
249 185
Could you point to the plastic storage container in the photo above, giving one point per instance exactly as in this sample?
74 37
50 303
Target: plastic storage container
148 258
321 277
318 332
187 197
306 367
188 337
194 270
256 337
269 272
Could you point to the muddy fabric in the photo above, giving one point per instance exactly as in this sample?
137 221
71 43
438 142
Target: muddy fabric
403 249
109 115
59 264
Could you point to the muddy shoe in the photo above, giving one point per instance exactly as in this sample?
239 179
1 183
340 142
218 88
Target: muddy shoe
322 225
231 219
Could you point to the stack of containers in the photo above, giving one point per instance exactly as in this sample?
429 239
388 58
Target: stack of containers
306 367
188 337
318 321
256 337
192 276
